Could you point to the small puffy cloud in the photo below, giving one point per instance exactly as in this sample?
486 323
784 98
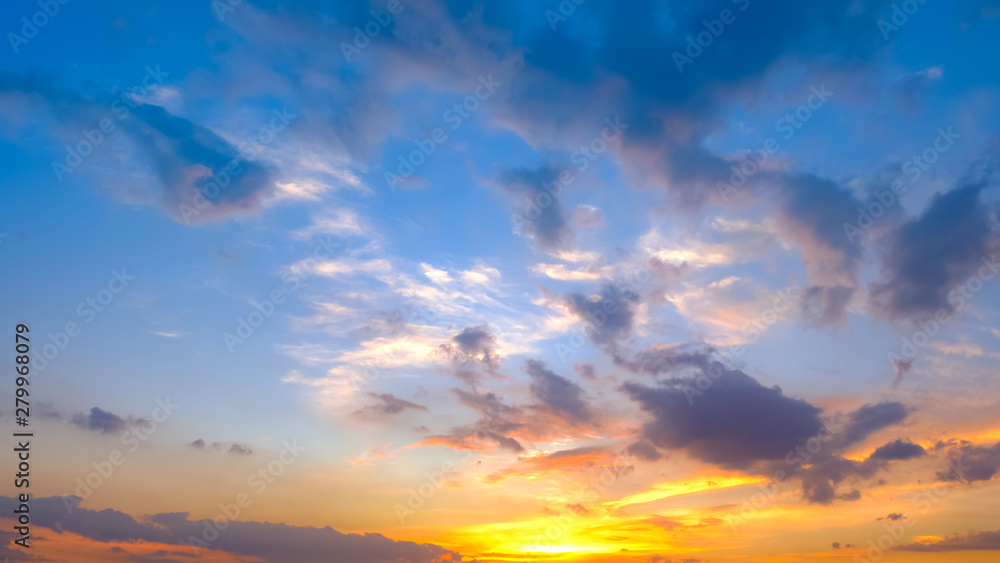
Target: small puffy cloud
100 420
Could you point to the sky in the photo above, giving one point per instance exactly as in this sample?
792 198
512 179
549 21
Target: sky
433 281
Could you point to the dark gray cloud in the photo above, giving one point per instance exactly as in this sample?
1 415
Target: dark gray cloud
733 423
933 254
893 516
644 450
872 418
585 371
976 541
899 450
725 417
274 543
812 212
558 393
668 359
101 421
972 463
497 422
387 404
180 154
473 354
609 315
538 213
240 449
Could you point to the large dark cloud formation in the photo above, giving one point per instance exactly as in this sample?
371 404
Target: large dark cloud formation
274 543
734 423
932 255
723 416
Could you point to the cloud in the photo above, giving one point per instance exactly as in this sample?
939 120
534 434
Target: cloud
558 393
733 423
101 421
725 417
644 450
931 255
387 404
899 450
610 315
240 449
180 155
493 428
274 543
473 353
871 418
975 541
538 214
